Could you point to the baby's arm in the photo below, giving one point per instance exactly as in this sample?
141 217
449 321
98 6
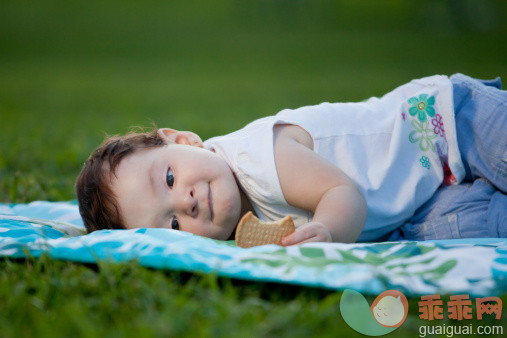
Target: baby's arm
312 183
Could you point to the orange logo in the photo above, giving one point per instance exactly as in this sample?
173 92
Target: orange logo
390 308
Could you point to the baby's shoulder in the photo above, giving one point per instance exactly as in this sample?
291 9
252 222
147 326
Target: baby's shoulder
292 132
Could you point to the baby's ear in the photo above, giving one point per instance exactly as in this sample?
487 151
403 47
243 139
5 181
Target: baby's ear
181 137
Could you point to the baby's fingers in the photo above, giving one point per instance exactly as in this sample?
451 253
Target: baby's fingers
309 232
292 239
301 234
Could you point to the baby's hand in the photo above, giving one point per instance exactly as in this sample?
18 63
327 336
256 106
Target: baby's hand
309 232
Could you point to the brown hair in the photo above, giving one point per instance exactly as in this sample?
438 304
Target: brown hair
97 203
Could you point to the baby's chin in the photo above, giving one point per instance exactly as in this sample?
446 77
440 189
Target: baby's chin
225 231
227 220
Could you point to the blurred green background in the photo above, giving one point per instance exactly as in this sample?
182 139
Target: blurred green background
72 71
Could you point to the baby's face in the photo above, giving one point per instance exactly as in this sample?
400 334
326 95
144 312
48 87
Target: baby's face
178 186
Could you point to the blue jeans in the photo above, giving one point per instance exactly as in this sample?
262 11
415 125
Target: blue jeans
481 126
478 206
467 210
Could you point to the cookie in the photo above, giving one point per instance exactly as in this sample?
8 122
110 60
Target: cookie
251 231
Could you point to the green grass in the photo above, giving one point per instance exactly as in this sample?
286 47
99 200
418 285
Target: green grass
128 300
70 72
43 297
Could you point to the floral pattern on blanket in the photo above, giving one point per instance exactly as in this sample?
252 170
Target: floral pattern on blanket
476 266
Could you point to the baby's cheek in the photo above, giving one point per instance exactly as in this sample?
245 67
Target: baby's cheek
231 207
228 203
220 233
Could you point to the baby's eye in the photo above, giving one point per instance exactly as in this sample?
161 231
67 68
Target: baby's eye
170 178
175 225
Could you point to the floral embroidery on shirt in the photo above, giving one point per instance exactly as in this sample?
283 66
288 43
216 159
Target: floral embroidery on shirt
423 134
422 106
421 112
438 125
425 162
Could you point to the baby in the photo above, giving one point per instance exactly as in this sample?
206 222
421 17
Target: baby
425 161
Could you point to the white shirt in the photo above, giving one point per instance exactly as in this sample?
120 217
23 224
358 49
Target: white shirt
395 148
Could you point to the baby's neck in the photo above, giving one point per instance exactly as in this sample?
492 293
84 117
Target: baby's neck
246 206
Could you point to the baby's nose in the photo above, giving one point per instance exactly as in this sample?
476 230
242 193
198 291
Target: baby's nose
189 203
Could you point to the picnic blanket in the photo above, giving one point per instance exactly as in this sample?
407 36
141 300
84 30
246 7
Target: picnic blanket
474 266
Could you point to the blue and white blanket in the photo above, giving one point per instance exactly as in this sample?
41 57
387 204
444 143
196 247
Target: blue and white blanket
475 266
